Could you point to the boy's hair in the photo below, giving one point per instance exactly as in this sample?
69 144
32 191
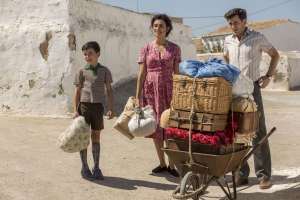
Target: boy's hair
242 13
91 45
166 19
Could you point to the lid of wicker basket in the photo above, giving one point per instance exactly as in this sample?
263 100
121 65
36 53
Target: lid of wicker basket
208 95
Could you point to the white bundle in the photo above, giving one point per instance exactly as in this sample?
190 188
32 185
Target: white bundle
143 122
243 87
76 137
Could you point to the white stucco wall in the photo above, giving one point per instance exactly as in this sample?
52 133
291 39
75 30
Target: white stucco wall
28 82
284 37
280 80
121 34
33 84
294 70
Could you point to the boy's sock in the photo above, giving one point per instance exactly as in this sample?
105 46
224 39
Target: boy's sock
96 155
85 171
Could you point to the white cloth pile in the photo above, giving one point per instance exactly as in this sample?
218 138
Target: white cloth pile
76 137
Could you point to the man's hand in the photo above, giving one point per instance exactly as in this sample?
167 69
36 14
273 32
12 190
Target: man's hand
264 81
110 114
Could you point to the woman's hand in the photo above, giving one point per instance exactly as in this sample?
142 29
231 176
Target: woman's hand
137 103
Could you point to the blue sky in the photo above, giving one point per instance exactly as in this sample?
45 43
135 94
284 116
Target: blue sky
258 10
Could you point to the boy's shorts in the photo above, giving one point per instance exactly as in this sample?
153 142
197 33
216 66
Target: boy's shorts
93 114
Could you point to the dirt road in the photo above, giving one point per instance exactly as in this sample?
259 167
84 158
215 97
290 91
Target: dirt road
33 168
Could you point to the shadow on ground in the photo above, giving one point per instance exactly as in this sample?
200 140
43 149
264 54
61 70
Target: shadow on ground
284 188
128 184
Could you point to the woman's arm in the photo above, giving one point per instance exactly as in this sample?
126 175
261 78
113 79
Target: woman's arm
176 68
177 61
140 82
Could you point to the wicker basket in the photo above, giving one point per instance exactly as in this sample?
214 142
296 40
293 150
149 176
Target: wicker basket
247 122
212 95
200 121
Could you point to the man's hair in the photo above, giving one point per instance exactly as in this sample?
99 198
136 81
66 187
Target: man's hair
91 45
166 19
242 13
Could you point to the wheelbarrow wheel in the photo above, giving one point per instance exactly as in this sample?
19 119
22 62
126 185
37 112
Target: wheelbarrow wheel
189 184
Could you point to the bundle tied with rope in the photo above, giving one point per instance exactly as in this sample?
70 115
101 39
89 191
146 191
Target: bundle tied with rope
244 111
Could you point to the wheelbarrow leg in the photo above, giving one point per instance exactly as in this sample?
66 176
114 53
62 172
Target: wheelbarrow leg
234 185
227 193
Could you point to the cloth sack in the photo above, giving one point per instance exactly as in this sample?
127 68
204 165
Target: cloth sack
164 118
76 137
143 122
130 105
121 124
243 105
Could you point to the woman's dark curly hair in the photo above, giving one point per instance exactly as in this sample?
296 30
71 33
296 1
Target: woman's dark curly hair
166 19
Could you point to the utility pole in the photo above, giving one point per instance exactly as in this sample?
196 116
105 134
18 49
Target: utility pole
137 6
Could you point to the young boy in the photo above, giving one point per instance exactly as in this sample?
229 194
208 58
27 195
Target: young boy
91 82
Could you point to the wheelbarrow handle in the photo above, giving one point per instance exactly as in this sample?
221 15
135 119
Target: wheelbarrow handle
258 145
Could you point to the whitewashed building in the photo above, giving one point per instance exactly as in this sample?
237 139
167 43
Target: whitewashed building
40 49
283 34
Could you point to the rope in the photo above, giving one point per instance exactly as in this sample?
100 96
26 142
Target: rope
233 146
191 121
200 190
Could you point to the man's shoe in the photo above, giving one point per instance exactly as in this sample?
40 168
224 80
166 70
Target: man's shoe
159 169
97 174
265 184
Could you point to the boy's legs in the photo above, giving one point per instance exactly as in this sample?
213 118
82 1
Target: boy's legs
85 171
96 125
97 173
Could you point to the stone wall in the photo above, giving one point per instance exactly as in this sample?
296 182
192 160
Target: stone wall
40 49
34 56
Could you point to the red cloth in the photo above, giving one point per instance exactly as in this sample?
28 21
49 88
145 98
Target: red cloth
214 138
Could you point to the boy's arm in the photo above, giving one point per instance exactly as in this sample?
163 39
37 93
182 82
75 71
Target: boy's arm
76 101
110 99
78 82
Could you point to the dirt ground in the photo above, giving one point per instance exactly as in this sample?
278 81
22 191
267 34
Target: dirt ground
32 167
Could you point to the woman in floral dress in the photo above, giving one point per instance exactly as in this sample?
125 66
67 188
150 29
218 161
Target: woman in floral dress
158 61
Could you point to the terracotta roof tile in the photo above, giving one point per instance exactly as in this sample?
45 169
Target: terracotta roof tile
257 25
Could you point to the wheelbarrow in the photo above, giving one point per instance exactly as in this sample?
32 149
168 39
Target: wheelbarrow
199 170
